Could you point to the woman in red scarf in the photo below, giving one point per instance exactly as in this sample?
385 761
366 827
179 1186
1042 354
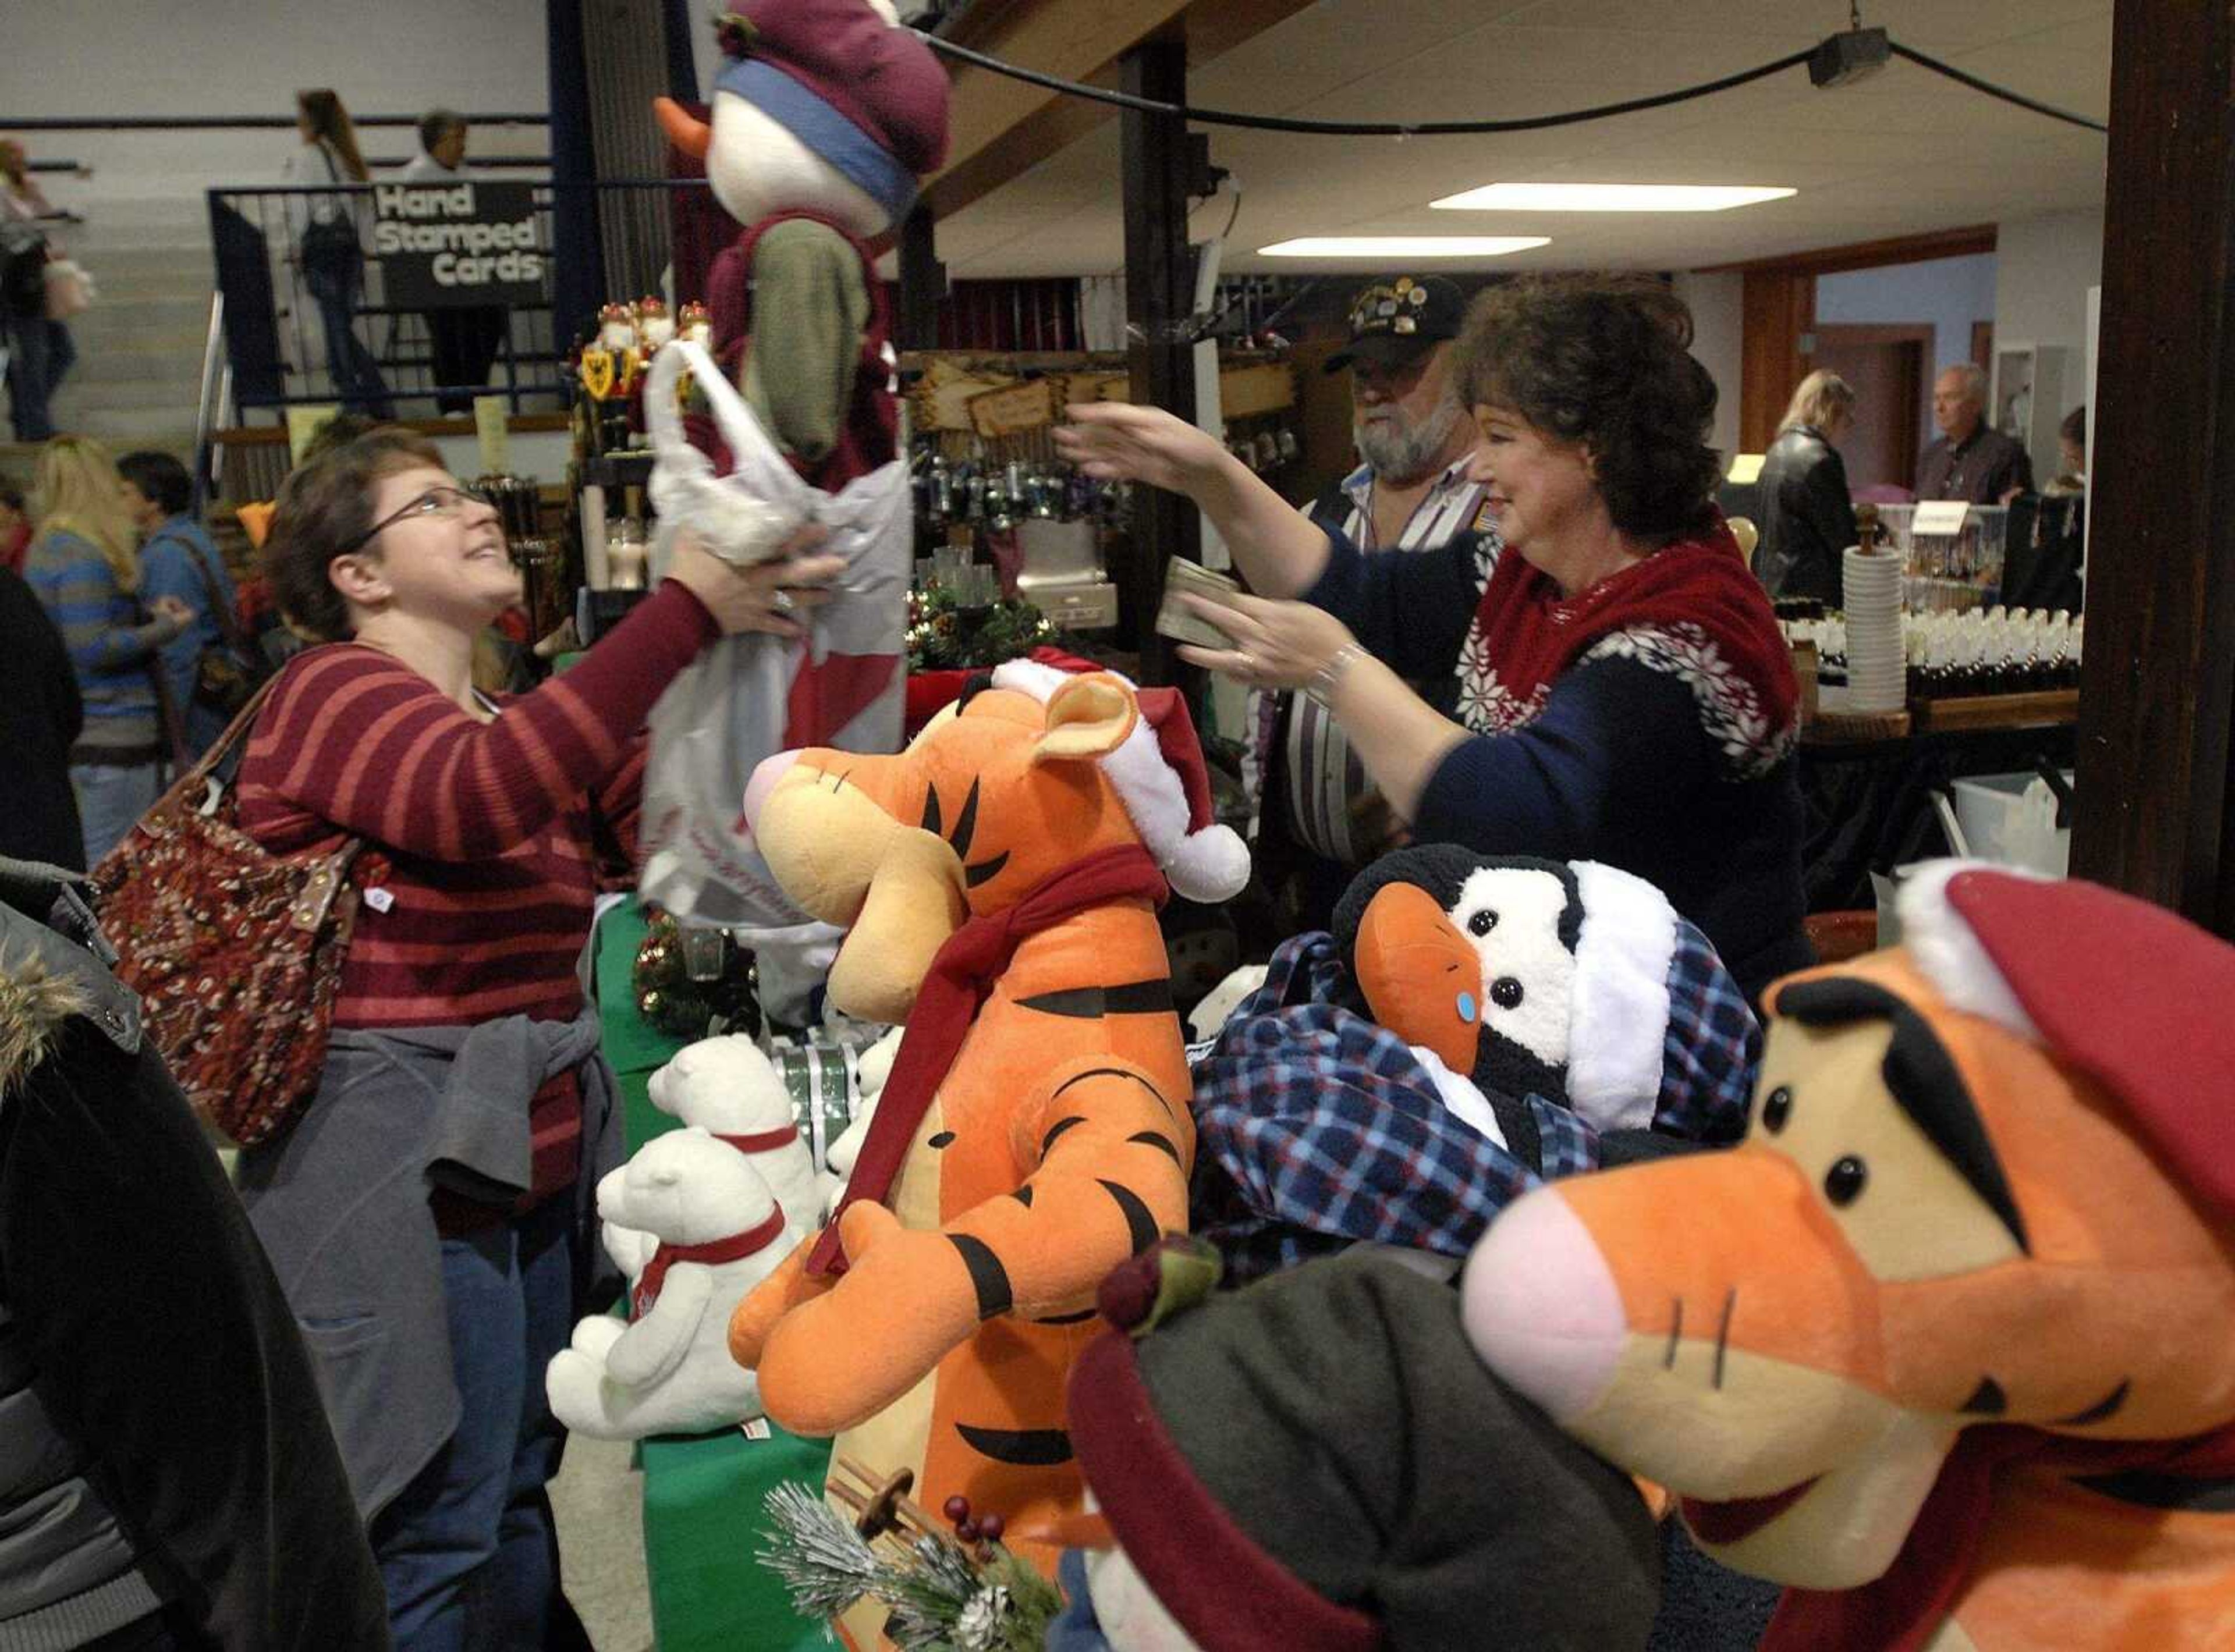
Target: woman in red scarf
1617 688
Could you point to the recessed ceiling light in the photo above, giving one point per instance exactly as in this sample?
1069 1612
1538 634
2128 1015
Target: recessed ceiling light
1610 197
1403 247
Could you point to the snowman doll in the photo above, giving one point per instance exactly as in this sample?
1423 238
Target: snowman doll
825 115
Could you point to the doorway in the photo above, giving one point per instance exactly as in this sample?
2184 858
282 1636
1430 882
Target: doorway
1886 365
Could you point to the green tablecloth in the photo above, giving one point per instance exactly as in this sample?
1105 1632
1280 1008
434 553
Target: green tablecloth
702 1497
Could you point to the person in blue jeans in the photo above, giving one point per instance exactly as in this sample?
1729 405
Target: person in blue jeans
327 246
85 569
178 559
40 352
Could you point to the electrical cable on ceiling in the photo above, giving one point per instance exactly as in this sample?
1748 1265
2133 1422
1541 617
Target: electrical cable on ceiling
1461 128
1355 129
1992 90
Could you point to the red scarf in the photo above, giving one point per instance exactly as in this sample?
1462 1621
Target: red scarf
735 1247
1901 1610
959 979
1530 633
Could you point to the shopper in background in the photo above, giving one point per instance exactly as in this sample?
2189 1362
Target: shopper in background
40 718
85 569
14 527
1808 517
432 1217
1970 460
463 341
2071 454
40 351
178 559
328 246
1642 698
1414 487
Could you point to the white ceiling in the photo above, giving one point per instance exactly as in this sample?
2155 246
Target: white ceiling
1904 152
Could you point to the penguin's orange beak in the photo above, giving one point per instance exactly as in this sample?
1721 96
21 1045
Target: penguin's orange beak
1420 975
685 130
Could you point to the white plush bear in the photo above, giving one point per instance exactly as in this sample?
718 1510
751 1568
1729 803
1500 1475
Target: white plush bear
716 1231
729 1088
871 1069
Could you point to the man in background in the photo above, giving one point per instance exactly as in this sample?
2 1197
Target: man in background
1412 489
463 342
1970 460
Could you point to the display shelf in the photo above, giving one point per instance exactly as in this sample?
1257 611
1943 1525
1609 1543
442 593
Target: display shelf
2048 709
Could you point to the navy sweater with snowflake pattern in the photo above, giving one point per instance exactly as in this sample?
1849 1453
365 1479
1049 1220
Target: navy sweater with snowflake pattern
1618 764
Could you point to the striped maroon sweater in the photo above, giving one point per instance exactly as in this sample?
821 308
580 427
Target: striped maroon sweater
485 828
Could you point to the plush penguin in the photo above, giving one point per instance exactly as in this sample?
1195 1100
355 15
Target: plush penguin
1569 980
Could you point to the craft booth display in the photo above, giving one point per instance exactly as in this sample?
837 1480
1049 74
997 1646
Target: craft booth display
997 882
694 1220
1955 1358
1475 1025
825 115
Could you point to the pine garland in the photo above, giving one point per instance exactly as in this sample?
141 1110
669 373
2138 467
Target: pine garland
943 635
947 1596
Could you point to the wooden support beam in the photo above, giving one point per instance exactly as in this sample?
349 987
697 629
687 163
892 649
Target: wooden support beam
1003 127
1157 300
2156 808
922 283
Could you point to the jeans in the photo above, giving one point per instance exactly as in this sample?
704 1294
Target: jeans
108 802
467 1551
39 353
357 377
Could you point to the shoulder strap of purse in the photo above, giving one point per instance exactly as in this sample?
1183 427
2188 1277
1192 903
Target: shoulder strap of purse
228 623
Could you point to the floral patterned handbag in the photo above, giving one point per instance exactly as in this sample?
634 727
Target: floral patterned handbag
236 952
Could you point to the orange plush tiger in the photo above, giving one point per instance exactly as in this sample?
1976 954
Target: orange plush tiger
999 881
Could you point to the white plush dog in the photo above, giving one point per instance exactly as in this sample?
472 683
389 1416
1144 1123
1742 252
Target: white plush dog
714 1231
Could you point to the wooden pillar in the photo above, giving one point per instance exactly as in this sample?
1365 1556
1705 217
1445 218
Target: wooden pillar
1158 297
2155 816
1778 307
923 283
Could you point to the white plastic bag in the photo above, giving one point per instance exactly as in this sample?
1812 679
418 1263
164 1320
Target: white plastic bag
750 696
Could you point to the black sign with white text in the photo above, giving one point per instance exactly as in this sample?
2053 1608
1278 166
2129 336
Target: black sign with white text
446 246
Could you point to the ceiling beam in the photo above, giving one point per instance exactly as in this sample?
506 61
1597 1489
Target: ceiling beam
1000 129
1870 255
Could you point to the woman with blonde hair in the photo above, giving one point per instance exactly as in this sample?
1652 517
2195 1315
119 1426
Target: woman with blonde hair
328 246
1808 519
84 566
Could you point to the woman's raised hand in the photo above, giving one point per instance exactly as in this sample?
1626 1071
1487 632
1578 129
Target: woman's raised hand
1118 442
774 596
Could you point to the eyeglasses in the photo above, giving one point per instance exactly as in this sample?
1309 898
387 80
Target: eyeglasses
435 502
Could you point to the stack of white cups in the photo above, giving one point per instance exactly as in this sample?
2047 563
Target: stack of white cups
1877 667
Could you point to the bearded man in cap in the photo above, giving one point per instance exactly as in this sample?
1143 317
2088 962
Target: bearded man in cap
1414 488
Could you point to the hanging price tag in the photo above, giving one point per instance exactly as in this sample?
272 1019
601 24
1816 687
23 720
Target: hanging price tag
495 438
1940 516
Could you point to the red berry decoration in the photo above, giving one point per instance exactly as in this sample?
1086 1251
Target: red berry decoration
991 1527
968 1531
956 1508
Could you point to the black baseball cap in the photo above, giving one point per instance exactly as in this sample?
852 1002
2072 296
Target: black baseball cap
1393 321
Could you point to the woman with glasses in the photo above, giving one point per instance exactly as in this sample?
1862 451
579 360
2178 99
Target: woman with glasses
431 1215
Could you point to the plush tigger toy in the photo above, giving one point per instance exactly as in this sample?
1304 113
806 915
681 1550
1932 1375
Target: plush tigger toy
1948 1345
999 881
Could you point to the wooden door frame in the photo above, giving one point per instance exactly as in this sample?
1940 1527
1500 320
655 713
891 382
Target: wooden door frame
1778 313
1926 337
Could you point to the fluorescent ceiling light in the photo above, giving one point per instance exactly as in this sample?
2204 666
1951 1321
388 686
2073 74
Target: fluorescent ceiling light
1609 198
1403 247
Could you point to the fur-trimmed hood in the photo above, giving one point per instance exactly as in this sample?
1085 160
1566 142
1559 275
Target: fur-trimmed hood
35 998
